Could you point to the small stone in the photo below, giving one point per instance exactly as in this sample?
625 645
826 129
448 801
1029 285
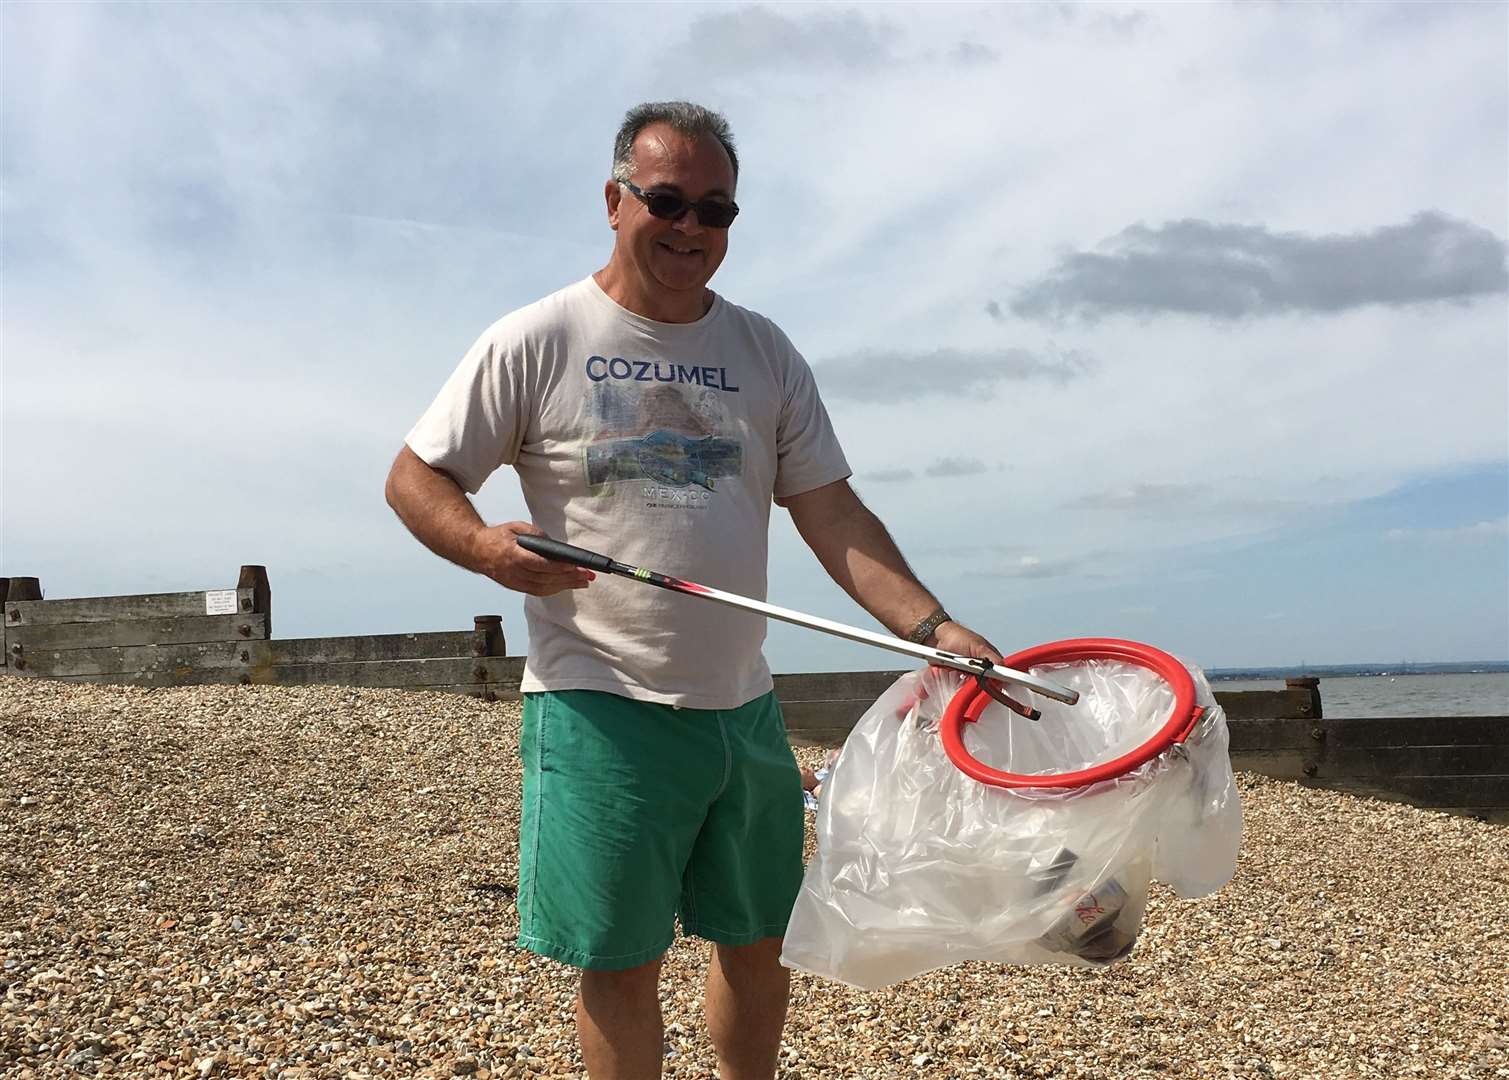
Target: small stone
464 1066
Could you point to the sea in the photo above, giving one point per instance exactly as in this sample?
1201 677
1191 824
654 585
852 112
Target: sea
1393 693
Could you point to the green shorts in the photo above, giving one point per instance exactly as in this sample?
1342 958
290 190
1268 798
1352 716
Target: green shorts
636 813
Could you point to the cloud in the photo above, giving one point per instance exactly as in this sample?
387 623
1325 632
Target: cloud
1197 267
972 54
888 476
1033 566
886 376
757 38
1460 534
1228 500
955 467
1142 498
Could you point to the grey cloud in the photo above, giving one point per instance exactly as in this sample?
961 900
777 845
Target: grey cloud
1477 532
955 467
1031 566
1168 499
993 309
888 476
892 376
972 54
754 38
1149 498
1231 271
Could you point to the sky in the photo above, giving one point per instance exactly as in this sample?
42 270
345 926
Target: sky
1184 323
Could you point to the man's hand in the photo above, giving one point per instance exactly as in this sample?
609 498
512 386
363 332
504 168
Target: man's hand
499 556
962 641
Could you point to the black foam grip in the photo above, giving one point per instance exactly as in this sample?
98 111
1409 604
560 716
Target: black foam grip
554 549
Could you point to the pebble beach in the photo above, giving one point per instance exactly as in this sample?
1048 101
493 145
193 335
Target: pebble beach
245 881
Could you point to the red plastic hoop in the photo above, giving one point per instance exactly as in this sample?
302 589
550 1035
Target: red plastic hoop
971 700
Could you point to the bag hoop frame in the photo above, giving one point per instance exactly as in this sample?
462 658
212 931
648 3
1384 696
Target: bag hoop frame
970 701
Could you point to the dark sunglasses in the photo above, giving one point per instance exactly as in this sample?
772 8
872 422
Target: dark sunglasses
714 213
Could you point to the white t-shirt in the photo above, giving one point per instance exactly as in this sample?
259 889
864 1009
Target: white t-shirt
657 444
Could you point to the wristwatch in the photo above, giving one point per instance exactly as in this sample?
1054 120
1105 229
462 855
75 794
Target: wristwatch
924 630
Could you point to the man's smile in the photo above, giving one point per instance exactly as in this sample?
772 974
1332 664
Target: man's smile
678 249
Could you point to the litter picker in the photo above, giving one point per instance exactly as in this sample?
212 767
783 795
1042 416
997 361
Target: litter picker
981 669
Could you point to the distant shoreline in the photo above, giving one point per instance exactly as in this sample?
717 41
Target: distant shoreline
1340 671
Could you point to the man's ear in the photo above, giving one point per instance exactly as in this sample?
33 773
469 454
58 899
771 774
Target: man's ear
613 194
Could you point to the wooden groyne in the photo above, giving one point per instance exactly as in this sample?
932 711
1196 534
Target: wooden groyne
1458 764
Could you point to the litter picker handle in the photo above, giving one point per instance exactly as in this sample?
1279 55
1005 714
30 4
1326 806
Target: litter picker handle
568 553
554 549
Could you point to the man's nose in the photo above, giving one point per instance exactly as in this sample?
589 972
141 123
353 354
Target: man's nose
687 223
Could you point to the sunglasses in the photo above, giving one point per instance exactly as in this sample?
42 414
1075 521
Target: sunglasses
714 213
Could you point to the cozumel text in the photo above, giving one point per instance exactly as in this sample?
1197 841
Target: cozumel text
600 368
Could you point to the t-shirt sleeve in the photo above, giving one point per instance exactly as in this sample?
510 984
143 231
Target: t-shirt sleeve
808 455
474 426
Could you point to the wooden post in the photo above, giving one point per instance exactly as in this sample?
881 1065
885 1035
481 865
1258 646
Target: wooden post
255 578
1312 684
14 590
487 635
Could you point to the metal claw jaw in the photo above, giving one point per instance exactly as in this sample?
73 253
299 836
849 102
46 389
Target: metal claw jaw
997 695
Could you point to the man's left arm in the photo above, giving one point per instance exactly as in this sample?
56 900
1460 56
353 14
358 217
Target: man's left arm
854 547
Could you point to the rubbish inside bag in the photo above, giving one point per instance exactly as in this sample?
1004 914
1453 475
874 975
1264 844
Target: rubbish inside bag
920 866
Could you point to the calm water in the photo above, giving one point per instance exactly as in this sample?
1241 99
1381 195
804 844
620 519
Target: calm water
1403 695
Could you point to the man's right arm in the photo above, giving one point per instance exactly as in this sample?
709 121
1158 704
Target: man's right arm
438 513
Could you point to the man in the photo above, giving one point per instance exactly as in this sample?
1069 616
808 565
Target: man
647 416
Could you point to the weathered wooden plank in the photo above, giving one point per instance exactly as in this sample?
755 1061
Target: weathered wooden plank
1409 762
487 691
1275 734
834 685
1261 704
110 608
1279 764
1418 730
823 715
247 655
1401 731
1383 764
444 644
1493 815
1469 793
819 736
505 671
182 630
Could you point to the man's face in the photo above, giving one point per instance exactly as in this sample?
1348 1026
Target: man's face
679 257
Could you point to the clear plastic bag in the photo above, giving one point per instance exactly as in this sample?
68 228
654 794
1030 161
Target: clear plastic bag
919 866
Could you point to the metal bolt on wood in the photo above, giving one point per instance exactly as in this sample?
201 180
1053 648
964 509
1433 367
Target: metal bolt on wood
244 630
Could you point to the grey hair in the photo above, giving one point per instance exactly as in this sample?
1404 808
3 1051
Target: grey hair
690 120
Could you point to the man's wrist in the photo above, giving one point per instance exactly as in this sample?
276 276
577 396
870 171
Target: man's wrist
928 626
